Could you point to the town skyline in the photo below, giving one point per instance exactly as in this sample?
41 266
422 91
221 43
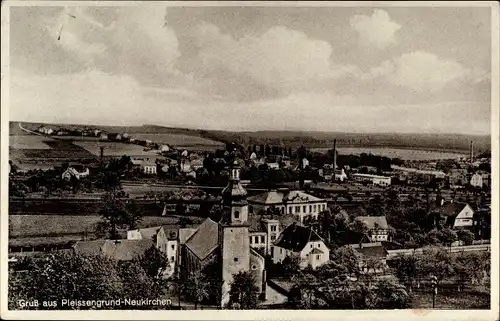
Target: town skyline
331 69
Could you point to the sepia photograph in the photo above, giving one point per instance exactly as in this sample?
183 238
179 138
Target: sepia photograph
258 156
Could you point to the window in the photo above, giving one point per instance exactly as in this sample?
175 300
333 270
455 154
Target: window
273 237
310 208
235 259
314 207
236 214
297 209
312 246
250 209
318 256
304 209
290 209
281 251
254 267
319 245
172 259
324 207
273 228
262 239
173 246
251 239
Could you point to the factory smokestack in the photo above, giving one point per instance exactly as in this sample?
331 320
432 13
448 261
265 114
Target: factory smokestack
471 152
334 155
102 155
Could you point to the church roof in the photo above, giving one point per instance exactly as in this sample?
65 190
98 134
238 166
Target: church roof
295 237
205 239
316 251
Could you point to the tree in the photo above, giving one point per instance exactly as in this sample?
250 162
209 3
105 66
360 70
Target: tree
114 217
465 236
388 294
195 288
133 215
244 292
69 276
154 262
358 226
406 268
290 265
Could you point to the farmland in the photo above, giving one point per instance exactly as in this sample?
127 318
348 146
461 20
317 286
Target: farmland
21 226
178 140
406 154
115 149
29 142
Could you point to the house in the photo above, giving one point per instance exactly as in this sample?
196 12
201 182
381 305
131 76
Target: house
373 257
263 232
302 242
75 170
480 179
164 148
165 239
378 230
103 136
114 136
374 179
45 130
340 175
458 176
61 132
274 166
148 167
352 238
295 202
456 214
225 243
120 250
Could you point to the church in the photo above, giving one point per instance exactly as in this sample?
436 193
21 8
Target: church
225 243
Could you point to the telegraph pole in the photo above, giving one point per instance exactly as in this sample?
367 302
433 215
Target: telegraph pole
434 290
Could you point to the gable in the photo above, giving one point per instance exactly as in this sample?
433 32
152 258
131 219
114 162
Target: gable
467 212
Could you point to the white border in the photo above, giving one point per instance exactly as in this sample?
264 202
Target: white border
491 314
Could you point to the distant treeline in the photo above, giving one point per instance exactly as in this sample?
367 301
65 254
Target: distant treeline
312 139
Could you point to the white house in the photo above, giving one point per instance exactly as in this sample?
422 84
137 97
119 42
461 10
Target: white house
298 203
374 179
263 233
78 171
457 214
378 229
340 175
148 167
302 242
477 180
164 148
165 239
275 166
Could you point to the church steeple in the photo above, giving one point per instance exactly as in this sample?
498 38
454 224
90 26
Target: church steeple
234 198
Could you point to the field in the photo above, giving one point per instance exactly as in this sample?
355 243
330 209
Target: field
29 142
115 149
406 154
451 299
178 140
22 226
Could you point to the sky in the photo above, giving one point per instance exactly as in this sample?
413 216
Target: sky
365 69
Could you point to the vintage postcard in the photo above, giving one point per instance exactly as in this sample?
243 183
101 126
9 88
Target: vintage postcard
295 160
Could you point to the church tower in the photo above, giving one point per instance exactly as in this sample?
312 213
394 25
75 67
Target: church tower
234 240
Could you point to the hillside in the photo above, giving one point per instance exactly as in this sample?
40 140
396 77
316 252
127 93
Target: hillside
312 139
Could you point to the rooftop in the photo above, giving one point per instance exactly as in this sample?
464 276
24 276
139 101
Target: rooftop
370 221
295 237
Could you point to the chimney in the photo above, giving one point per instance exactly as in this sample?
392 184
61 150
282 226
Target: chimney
334 156
102 154
471 152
